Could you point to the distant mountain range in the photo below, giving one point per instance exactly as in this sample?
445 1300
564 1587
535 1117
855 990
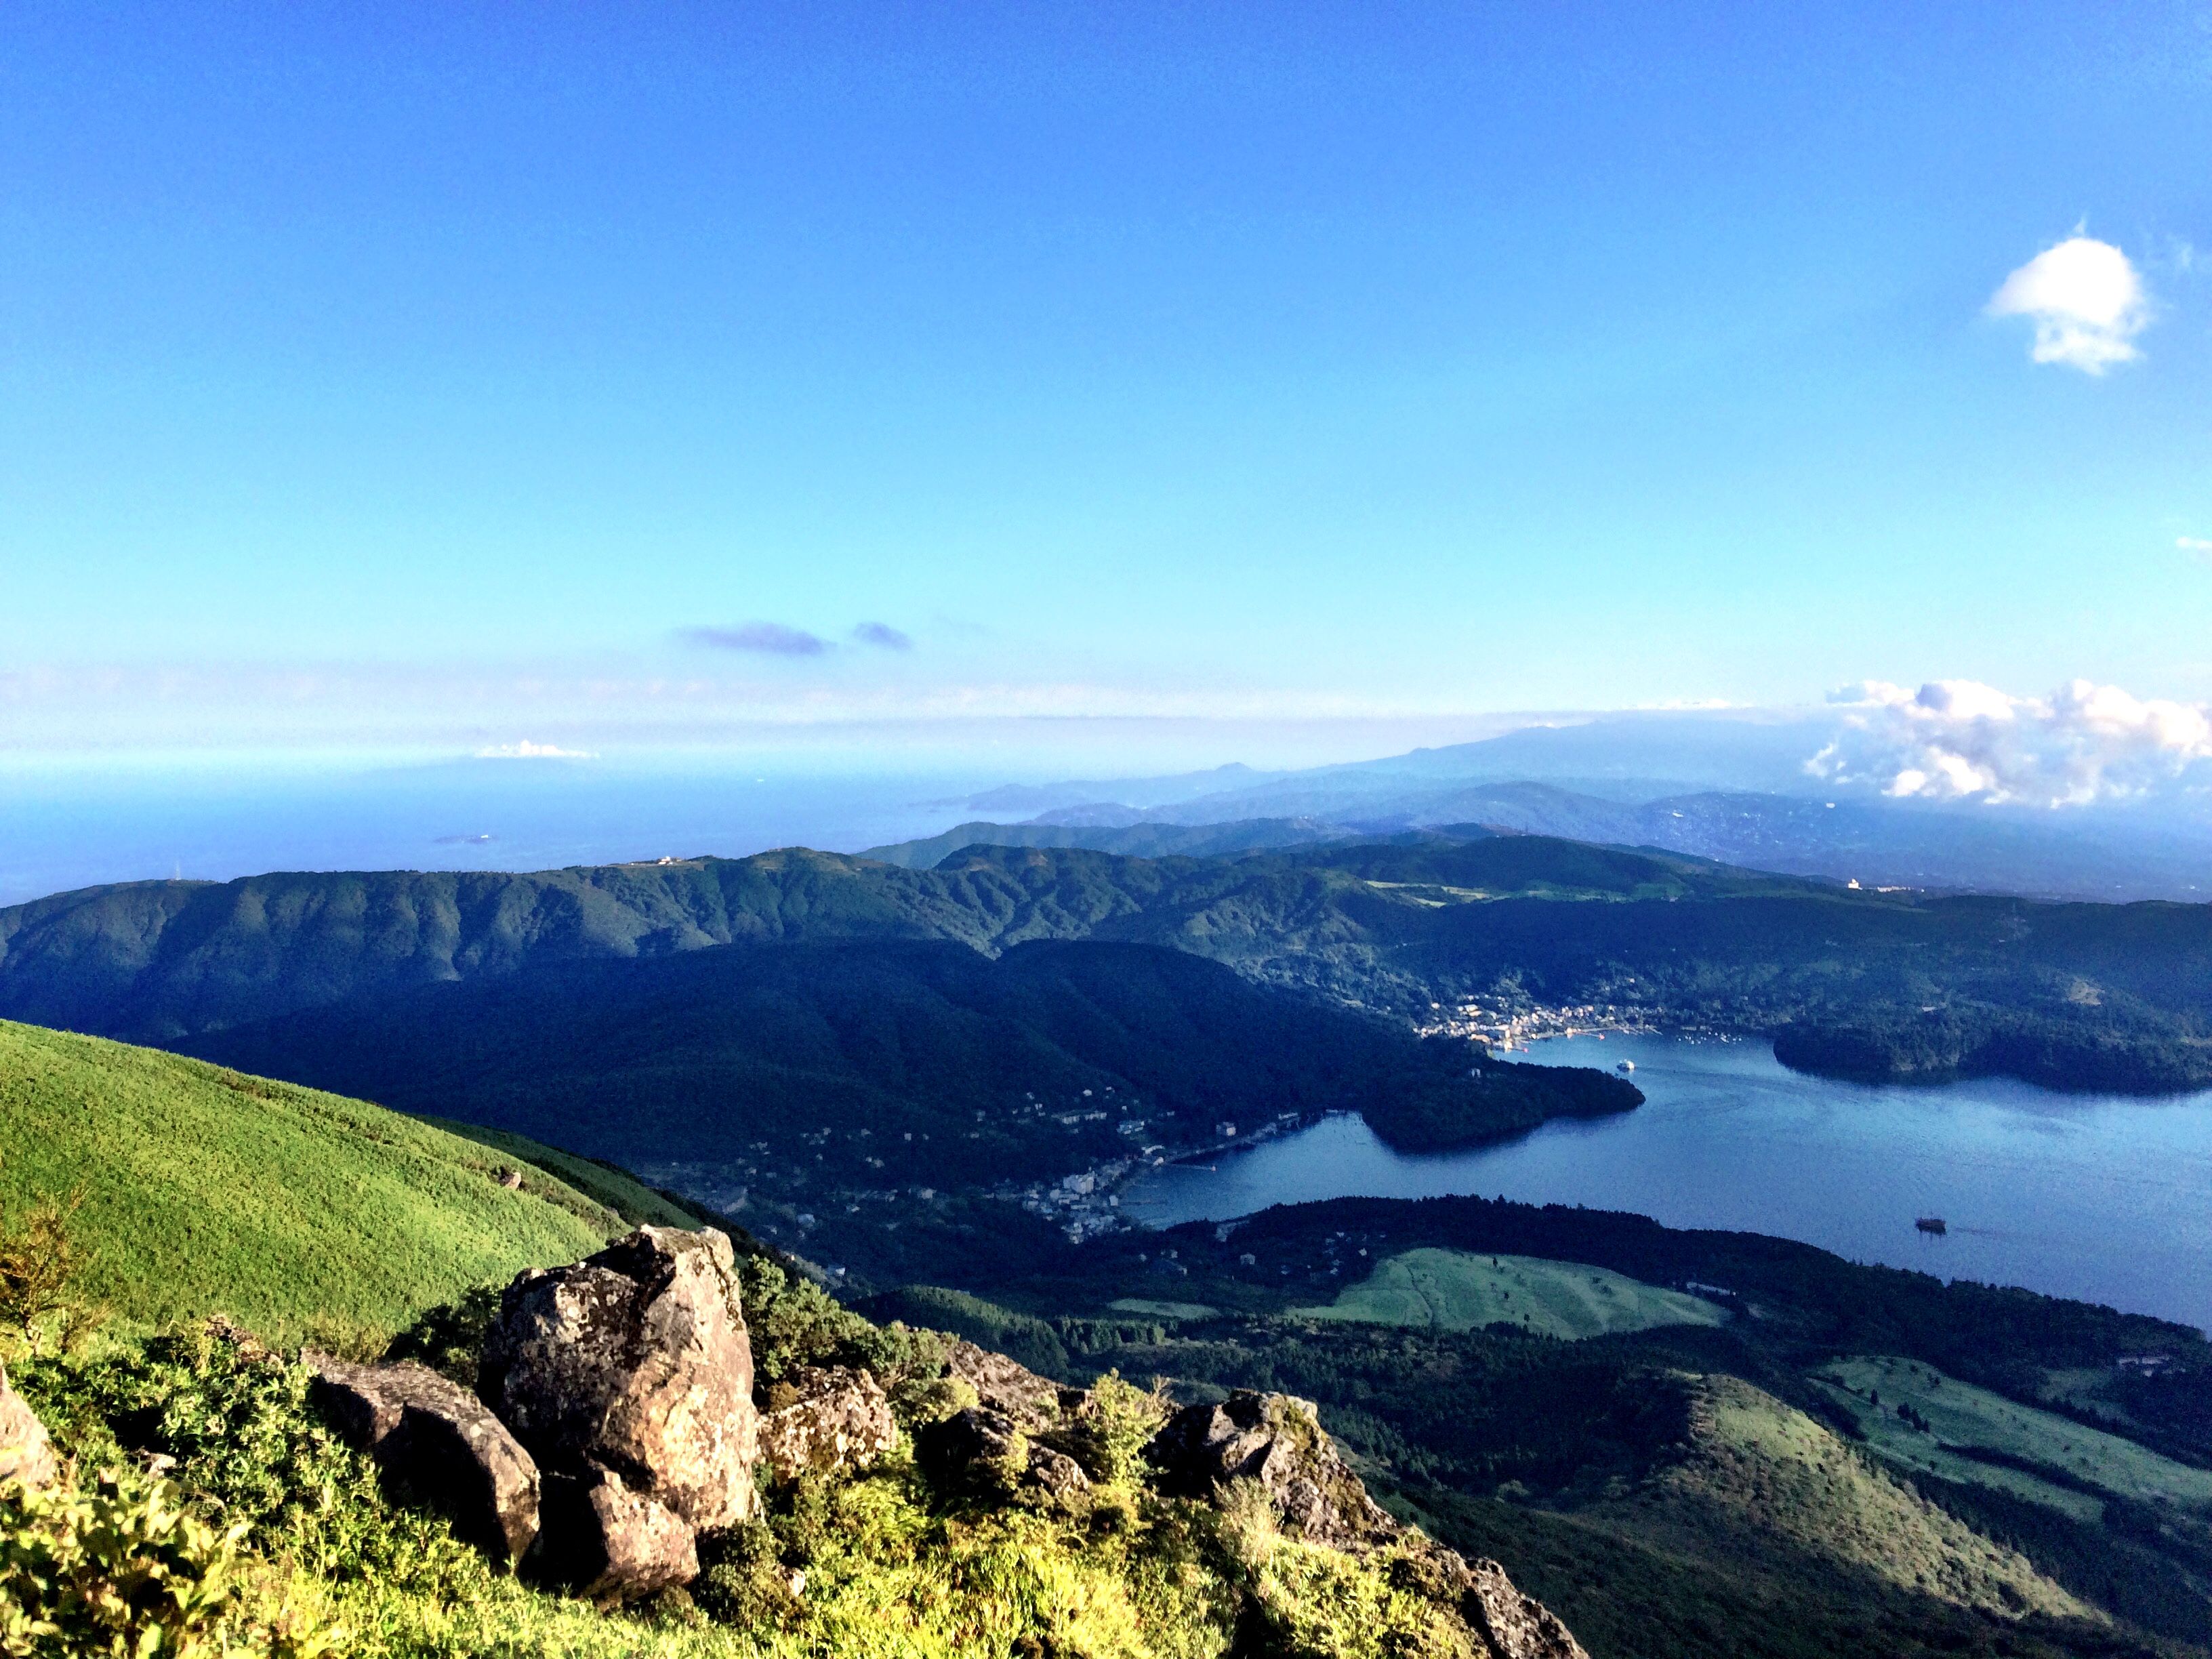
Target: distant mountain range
1732 790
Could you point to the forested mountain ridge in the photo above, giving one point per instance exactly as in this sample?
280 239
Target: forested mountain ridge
1867 983
160 959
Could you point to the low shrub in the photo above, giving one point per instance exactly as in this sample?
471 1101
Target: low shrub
126 1567
231 1426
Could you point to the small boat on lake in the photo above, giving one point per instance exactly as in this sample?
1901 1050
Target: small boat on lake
1932 1224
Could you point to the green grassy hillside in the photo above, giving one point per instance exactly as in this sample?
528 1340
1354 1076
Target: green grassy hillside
1765 1480
2045 1458
1453 1290
205 1191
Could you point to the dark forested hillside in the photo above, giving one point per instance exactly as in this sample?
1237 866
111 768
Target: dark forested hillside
809 1069
2080 995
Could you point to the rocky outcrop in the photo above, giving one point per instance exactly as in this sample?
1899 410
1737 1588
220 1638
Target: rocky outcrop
1018 1433
1277 1442
25 1454
629 1376
986 1451
1515 1625
1511 1624
610 1543
1030 1400
826 1419
437 1441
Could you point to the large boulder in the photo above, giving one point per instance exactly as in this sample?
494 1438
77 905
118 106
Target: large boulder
826 1418
25 1454
1278 1442
437 1441
630 1374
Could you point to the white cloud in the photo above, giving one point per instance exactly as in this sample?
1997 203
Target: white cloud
528 751
2195 545
2087 302
1959 740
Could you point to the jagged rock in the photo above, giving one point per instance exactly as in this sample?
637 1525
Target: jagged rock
605 1542
1031 1400
1056 1472
986 1449
1512 1625
834 1418
981 1439
1516 1624
25 1454
438 1441
1277 1441
635 1362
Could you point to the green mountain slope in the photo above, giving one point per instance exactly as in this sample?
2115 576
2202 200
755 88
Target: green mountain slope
204 1191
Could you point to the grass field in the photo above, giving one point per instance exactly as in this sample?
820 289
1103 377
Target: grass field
294 1212
604 1184
1452 1291
1958 1414
1138 1304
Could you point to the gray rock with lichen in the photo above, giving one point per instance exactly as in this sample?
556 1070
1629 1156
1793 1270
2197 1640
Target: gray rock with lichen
610 1543
825 1420
629 1376
438 1441
636 1360
26 1456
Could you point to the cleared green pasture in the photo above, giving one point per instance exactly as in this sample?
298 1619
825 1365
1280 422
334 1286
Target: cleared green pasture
294 1212
1959 1414
1138 1304
1453 1290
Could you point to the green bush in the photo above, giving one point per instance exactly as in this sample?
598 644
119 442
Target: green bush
127 1569
794 1322
448 1337
238 1434
1114 1425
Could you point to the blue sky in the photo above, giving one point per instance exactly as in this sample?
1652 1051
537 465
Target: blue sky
428 378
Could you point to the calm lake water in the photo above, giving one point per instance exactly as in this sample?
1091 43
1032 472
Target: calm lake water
2104 1198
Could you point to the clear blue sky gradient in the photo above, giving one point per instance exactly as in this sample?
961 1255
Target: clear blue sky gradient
1201 358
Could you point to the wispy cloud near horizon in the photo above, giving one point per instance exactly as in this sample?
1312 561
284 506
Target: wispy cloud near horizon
528 751
764 638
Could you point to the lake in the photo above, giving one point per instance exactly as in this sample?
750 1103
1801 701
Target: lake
2104 1198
